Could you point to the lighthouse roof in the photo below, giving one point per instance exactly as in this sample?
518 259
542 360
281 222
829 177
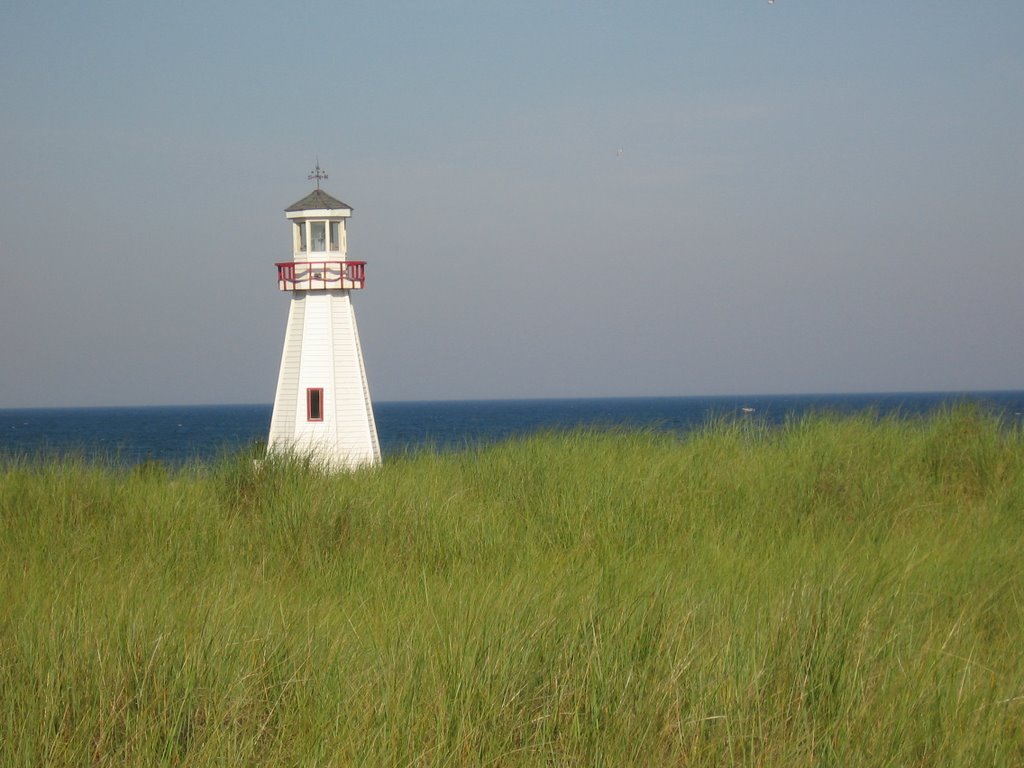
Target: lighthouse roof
317 200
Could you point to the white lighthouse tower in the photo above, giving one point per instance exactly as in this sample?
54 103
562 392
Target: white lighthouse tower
322 407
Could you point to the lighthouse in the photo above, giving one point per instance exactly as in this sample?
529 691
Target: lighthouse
322 408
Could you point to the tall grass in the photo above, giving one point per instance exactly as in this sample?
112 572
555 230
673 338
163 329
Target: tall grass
839 591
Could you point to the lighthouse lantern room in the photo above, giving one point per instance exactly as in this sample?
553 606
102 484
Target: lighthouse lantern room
322 408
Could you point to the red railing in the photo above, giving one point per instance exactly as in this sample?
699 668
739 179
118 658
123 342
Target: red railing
321 275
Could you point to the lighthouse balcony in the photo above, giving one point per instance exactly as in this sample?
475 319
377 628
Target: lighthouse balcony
321 275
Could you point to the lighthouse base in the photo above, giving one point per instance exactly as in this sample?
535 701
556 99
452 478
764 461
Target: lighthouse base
322 408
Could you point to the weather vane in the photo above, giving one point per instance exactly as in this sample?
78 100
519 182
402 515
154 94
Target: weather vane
317 173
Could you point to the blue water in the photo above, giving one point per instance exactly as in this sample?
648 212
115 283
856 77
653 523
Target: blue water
183 433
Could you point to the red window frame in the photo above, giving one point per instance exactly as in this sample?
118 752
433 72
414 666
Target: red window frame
315 404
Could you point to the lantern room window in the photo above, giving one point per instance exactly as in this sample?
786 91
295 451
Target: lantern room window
315 404
318 236
318 233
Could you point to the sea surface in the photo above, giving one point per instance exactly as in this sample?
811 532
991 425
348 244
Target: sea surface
179 434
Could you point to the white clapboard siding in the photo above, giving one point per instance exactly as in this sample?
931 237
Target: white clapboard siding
322 351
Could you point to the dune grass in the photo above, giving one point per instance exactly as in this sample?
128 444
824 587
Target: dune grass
839 591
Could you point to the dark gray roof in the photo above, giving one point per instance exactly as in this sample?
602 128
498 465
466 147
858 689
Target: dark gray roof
315 201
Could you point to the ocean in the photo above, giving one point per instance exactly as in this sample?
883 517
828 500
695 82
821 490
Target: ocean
179 434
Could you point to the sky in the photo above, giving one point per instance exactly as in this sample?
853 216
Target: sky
811 196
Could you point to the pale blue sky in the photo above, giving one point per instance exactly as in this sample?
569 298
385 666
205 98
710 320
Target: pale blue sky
812 196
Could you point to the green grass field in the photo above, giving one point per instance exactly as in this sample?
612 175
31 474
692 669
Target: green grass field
840 591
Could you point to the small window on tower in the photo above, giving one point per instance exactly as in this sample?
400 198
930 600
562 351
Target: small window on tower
315 404
334 235
302 235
